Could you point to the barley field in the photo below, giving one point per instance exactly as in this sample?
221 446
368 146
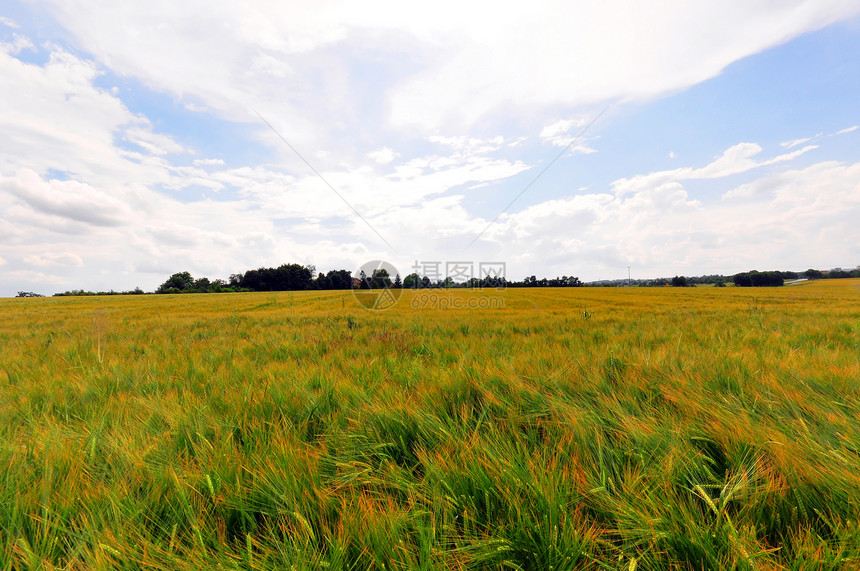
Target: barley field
577 428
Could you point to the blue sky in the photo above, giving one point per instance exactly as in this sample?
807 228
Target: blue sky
133 147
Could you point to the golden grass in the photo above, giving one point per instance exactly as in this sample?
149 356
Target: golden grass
526 428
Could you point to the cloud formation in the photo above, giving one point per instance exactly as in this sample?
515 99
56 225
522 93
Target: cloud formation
471 59
71 200
804 216
736 159
427 119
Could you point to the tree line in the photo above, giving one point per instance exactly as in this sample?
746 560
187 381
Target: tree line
776 278
297 277
751 278
758 279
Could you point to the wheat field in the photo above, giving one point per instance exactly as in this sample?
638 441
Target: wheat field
576 428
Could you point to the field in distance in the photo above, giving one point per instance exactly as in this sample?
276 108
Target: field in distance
576 428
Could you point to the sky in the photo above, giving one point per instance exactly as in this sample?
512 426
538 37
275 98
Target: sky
577 138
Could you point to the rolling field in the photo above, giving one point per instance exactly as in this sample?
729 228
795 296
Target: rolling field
579 428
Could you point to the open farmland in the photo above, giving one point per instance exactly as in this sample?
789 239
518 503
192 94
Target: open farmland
614 428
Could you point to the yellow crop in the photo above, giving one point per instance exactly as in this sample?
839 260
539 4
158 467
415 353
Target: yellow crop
661 428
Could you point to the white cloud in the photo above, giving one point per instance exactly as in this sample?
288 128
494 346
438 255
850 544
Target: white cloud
17 45
154 143
54 259
126 231
9 22
53 117
561 127
208 162
801 218
467 60
736 159
558 134
468 145
32 280
821 183
587 234
383 156
796 142
72 200
406 185
762 187
599 51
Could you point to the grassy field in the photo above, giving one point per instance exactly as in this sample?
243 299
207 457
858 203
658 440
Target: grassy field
586 428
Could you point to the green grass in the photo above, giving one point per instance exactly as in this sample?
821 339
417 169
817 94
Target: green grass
703 428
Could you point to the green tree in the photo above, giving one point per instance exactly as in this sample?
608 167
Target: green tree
758 279
28 294
381 279
180 281
323 282
340 279
412 281
203 285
